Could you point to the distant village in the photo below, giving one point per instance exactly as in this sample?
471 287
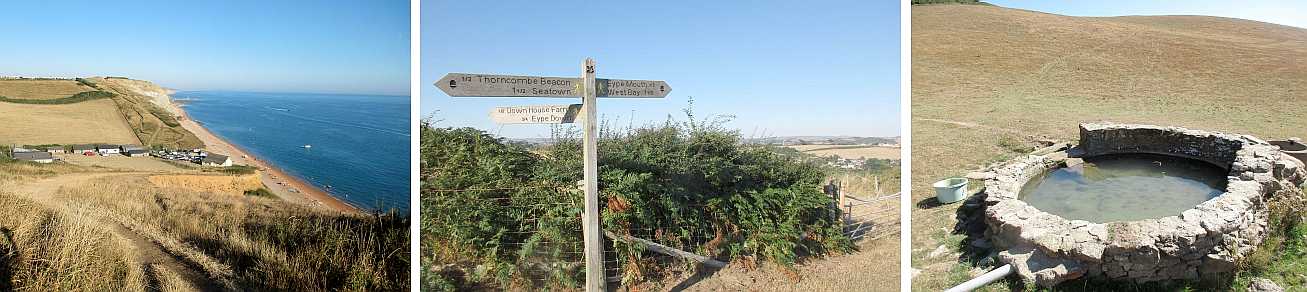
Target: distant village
47 154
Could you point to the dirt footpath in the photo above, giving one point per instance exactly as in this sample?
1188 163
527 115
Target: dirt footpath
875 267
157 260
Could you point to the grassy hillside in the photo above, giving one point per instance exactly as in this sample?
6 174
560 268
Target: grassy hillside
987 81
73 228
66 113
94 121
41 89
152 123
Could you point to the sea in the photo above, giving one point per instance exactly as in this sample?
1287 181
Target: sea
359 143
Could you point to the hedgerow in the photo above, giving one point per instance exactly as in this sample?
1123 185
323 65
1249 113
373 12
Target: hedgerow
75 98
510 215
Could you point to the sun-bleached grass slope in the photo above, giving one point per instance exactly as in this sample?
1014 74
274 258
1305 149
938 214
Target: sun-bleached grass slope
41 88
987 81
96 121
233 241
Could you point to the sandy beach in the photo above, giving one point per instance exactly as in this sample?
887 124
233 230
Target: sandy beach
286 187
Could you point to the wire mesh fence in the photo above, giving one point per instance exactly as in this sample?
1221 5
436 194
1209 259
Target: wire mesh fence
531 236
865 217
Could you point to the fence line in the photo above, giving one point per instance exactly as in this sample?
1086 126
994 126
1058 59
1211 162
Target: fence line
861 217
547 248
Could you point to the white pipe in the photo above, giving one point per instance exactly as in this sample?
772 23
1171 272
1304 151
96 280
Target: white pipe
983 280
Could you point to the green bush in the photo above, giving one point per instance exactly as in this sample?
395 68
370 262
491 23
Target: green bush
260 192
164 116
693 186
88 83
234 169
76 98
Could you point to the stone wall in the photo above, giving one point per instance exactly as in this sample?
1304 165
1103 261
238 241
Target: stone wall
1212 147
1200 242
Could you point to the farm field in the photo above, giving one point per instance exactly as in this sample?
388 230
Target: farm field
988 82
96 121
850 151
40 89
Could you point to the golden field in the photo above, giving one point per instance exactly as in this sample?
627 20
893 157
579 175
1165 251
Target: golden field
850 151
96 121
40 88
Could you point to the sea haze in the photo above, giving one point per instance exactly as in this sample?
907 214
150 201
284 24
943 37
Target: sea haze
360 142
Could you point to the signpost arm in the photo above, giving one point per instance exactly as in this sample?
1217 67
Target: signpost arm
594 248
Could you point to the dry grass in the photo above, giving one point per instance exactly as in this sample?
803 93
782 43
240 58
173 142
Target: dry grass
850 151
124 163
245 238
240 242
140 104
988 80
873 267
136 114
41 89
169 281
95 121
43 249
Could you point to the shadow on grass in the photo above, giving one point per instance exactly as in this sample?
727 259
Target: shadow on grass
701 272
8 255
928 203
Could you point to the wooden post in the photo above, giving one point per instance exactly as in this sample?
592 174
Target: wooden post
878 193
594 246
667 250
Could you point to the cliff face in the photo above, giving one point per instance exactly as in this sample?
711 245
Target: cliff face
159 96
148 109
218 184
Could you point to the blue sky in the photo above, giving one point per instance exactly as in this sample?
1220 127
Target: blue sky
1285 12
301 46
781 67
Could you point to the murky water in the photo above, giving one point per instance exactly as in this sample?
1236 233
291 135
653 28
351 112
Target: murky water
1125 187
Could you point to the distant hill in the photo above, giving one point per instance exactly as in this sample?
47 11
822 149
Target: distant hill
1020 69
783 140
89 110
988 81
825 140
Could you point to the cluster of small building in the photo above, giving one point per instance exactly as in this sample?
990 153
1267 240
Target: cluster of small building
196 156
46 155
103 150
847 163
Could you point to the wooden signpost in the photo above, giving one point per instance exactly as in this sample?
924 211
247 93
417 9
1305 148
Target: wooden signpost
464 84
536 114
588 88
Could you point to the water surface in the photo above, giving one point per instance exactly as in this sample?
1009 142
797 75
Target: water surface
1125 187
360 142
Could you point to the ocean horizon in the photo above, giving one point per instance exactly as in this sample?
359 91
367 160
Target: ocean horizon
360 143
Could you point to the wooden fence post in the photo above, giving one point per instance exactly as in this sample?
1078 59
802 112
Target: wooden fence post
594 246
